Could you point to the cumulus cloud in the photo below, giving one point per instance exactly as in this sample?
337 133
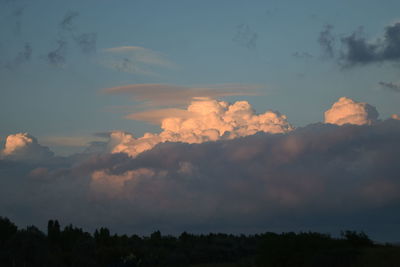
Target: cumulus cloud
261 176
175 95
22 146
135 59
348 111
204 120
359 51
322 177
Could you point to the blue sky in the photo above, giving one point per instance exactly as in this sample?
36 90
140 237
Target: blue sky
205 41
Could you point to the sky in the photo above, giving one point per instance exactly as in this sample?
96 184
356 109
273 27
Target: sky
146 111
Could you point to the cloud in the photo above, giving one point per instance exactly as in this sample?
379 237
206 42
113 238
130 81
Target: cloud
22 146
72 141
359 51
67 23
321 177
348 111
302 55
327 41
390 86
86 42
67 30
17 14
261 179
204 120
256 183
158 115
135 59
395 117
57 56
21 58
175 95
245 36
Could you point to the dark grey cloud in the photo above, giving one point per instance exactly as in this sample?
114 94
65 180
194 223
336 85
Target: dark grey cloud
57 56
327 41
245 36
320 177
22 57
359 51
395 87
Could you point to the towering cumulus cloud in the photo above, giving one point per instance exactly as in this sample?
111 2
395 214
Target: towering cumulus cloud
204 120
22 146
348 111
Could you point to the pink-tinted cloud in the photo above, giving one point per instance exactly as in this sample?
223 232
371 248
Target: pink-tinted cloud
346 110
204 120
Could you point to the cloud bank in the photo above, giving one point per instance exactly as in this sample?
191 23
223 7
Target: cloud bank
324 176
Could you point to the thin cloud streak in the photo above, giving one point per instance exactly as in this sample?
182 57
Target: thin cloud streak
394 87
175 95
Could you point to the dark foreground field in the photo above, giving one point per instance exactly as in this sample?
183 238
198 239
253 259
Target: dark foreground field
71 246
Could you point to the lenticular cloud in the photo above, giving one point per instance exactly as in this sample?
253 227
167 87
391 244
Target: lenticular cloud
204 120
348 111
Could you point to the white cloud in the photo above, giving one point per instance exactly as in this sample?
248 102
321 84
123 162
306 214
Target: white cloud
348 111
204 120
22 146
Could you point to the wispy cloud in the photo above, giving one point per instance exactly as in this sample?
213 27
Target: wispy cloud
175 95
135 59
22 57
155 116
327 41
56 57
302 55
245 36
70 141
395 87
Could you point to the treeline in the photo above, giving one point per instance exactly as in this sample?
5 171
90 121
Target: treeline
71 246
